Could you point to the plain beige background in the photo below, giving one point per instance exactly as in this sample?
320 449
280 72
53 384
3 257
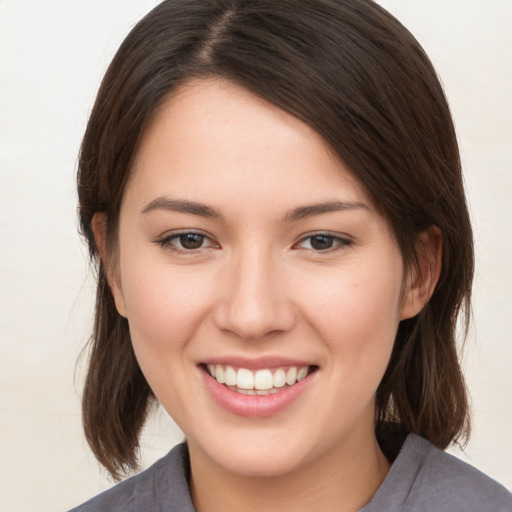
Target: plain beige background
52 57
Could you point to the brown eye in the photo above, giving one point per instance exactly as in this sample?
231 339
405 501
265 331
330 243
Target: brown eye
187 242
191 241
324 242
321 242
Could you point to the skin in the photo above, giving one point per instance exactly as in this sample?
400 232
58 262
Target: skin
257 287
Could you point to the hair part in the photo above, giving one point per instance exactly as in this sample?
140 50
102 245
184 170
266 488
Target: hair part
354 74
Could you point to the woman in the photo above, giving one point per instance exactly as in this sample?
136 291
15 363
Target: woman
274 196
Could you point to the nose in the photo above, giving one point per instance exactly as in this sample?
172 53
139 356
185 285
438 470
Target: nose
255 302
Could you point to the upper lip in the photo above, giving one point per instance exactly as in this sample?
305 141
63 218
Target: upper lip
258 363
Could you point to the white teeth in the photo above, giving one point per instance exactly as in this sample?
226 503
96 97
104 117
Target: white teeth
279 378
230 376
291 376
244 379
302 373
220 374
261 382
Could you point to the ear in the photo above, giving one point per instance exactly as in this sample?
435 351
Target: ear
422 279
99 229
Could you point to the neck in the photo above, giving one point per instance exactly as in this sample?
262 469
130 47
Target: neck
342 480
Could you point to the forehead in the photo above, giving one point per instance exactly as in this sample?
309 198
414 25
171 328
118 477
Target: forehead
214 141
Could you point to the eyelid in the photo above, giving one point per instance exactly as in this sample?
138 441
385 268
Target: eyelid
165 241
341 241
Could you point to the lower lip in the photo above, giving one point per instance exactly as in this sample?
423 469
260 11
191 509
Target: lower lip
254 406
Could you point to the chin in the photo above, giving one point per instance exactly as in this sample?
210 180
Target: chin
263 455
257 464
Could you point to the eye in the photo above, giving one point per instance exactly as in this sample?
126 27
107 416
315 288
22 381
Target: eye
323 242
186 242
190 241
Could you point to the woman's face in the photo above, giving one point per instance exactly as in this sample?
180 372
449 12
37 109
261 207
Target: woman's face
248 252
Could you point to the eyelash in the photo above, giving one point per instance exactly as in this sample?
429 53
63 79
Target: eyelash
338 243
168 242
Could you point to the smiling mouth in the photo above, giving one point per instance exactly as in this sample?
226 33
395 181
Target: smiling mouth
261 382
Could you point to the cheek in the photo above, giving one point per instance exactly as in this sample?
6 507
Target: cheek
164 304
357 311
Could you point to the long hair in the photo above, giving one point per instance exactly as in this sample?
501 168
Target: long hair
354 74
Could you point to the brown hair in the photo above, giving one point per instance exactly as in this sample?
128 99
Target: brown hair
352 72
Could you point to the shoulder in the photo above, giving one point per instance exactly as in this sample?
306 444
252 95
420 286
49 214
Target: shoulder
163 482
426 478
457 485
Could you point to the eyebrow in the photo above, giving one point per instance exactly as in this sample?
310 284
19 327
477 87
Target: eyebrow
327 207
177 205
202 210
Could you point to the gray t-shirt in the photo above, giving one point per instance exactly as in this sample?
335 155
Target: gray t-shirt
422 478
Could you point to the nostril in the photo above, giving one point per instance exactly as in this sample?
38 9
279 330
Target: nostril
252 321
